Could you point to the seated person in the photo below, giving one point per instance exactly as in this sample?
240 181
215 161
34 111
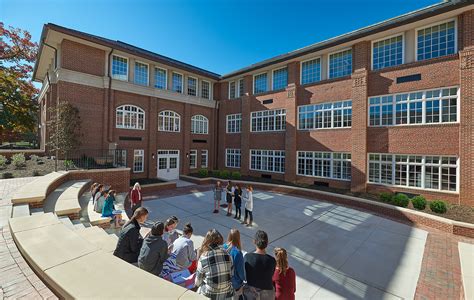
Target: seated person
108 208
154 250
99 202
183 247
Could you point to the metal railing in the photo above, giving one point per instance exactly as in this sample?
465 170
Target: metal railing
94 159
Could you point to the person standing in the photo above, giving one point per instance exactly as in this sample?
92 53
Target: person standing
217 197
130 240
248 206
136 197
229 196
234 248
284 278
154 250
238 202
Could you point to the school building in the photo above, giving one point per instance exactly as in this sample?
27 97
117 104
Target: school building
386 107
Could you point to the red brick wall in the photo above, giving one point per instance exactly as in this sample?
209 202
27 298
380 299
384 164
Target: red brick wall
82 58
117 179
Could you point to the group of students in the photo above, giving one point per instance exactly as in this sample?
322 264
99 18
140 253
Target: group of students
234 194
103 200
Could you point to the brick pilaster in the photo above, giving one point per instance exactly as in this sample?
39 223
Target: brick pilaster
152 125
245 135
186 131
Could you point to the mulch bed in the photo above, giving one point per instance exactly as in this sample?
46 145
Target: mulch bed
32 168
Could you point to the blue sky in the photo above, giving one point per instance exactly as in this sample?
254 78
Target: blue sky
220 36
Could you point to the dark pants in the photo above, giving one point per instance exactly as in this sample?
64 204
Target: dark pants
238 212
134 207
248 213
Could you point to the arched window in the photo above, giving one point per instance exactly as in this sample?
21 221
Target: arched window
168 121
199 124
130 117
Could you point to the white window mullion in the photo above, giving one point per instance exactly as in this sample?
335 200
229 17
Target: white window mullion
423 163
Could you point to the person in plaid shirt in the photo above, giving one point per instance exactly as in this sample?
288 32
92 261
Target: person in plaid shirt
214 269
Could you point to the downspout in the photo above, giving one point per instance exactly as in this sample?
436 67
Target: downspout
57 102
55 54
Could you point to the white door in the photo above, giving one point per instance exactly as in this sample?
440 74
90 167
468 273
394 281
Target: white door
168 164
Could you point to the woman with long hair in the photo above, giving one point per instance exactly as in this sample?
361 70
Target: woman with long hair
248 206
234 248
238 201
135 197
217 197
284 278
130 240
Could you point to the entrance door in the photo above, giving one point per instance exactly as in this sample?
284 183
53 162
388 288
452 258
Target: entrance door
168 164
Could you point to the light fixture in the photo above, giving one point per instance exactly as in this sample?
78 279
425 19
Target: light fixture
153 156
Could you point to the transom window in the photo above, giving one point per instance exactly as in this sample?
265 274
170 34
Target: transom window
340 64
205 90
119 67
325 115
192 86
424 107
387 53
129 117
168 121
435 41
234 123
138 161
232 158
311 71
260 83
268 120
199 124
232 90
267 160
177 83
160 78
332 165
280 78
141 73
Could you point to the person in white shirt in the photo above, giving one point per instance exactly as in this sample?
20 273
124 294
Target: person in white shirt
183 247
248 198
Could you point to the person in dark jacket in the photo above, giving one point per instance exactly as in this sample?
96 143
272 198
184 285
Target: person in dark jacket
154 251
238 202
130 240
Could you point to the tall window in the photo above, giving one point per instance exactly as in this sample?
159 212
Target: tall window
260 83
340 64
129 117
268 120
232 94
417 171
177 83
435 41
387 53
192 86
193 159
141 73
234 123
424 107
199 124
205 89
232 158
204 158
332 165
241 87
267 160
325 115
168 121
119 68
280 78
311 71
160 78
138 161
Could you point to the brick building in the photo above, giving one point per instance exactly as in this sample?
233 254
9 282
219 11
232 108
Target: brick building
385 107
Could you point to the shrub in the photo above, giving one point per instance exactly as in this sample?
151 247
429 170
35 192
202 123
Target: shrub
438 207
3 162
36 173
68 164
385 197
18 160
7 175
224 174
215 173
419 202
235 175
400 199
34 158
203 172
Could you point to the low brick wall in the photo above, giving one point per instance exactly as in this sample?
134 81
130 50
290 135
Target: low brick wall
118 179
151 188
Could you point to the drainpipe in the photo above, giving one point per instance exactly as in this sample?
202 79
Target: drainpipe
57 100
55 53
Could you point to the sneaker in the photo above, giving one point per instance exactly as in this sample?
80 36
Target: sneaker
249 225
215 211
229 214
243 222
235 217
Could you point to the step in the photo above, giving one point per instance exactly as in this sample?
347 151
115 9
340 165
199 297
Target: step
79 225
97 236
36 211
66 221
20 210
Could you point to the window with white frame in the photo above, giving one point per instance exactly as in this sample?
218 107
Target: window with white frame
267 160
340 64
232 158
232 90
192 86
169 121
260 83
333 165
138 161
435 41
205 89
160 78
204 158
193 159
280 78
129 117
141 73
311 71
241 87
177 83
234 123
268 120
325 115
387 52
199 124
422 107
119 68
416 171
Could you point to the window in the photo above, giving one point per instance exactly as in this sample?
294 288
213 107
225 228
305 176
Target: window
232 94
234 123
267 160
241 87
193 159
129 117
268 120
192 86
280 79
387 52
311 71
232 158
332 165
340 64
141 73
168 121
435 41
204 158
424 107
199 124
205 90
325 115
119 68
160 78
138 164
260 83
177 83
416 171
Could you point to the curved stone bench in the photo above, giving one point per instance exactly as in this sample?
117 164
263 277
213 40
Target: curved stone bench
96 219
68 202
100 238
35 192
